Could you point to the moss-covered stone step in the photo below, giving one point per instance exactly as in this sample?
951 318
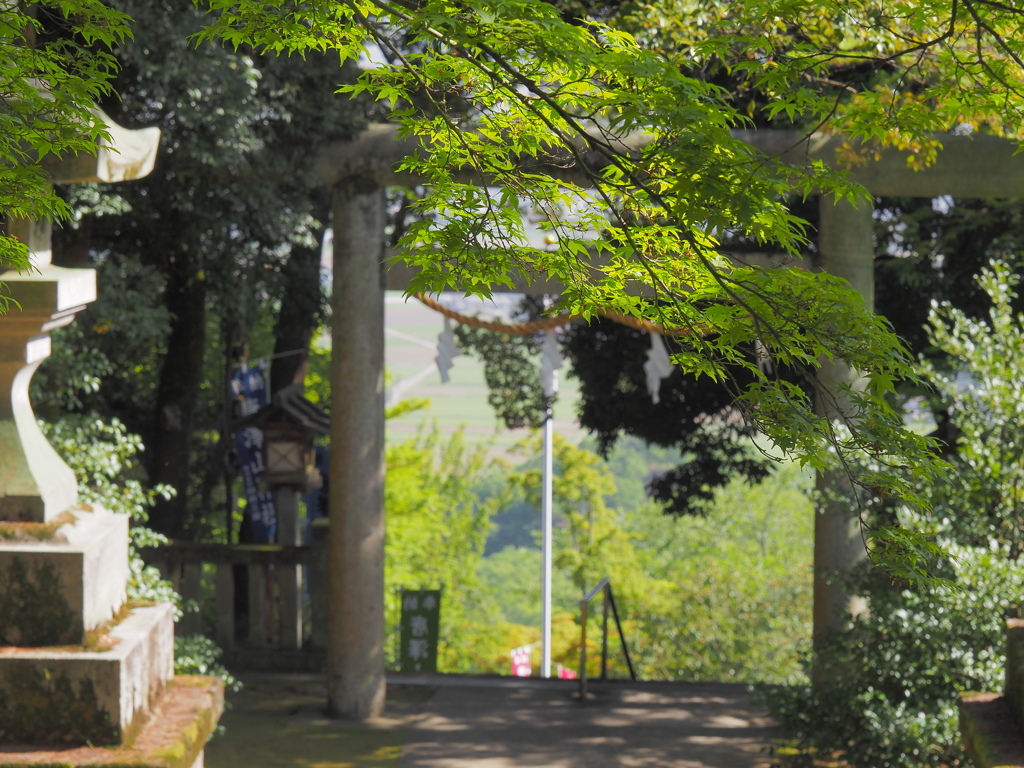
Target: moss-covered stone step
173 734
73 696
990 736
55 589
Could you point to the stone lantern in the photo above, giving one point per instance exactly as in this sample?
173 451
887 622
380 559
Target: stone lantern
288 455
290 423
78 667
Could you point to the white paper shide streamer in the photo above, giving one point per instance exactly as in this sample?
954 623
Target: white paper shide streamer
657 367
447 350
763 356
550 362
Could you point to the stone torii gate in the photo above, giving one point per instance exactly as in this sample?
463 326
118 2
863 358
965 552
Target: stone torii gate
359 170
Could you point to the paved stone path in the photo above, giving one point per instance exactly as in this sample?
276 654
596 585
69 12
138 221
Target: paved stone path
482 723
450 721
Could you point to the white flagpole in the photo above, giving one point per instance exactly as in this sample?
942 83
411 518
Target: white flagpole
551 361
545 507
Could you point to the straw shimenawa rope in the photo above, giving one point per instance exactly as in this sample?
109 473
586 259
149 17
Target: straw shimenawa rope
545 324
519 329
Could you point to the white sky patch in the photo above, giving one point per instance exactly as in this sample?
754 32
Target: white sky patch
371 57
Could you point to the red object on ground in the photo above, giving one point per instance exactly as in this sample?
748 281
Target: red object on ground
564 673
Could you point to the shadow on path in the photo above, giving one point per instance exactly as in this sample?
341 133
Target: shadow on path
442 721
544 724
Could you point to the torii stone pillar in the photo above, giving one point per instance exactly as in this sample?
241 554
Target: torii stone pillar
978 165
355 633
846 249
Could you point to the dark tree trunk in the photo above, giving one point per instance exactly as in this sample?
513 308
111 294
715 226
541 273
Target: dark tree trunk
169 444
299 316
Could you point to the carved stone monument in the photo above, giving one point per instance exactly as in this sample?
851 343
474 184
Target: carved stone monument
79 669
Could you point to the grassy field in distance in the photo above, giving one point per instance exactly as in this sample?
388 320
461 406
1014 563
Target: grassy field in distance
411 331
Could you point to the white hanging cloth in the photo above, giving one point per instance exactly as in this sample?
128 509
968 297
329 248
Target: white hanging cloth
447 350
657 367
764 357
550 362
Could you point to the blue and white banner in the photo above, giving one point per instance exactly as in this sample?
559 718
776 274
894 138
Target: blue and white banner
249 386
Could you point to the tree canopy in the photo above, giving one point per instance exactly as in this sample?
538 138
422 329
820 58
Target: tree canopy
222 236
693 415
510 102
521 104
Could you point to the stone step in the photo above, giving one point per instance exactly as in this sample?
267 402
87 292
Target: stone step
52 695
1014 685
992 724
990 737
59 582
173 736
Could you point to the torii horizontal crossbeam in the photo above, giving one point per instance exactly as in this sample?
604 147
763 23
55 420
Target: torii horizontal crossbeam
978 165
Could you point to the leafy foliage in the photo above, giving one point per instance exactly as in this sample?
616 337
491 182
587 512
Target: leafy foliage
737 603
198 655
221 241
591 542
930 251
57 64
514 389
894 704
726 597
693 415
501 93
225 119
437 527
984 500
887 73
115 342
903 664
102 456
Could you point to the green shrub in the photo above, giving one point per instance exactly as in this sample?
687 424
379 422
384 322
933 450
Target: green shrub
102 456
895 674
892 678
199 655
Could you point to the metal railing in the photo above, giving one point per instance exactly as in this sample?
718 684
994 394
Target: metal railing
605 587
